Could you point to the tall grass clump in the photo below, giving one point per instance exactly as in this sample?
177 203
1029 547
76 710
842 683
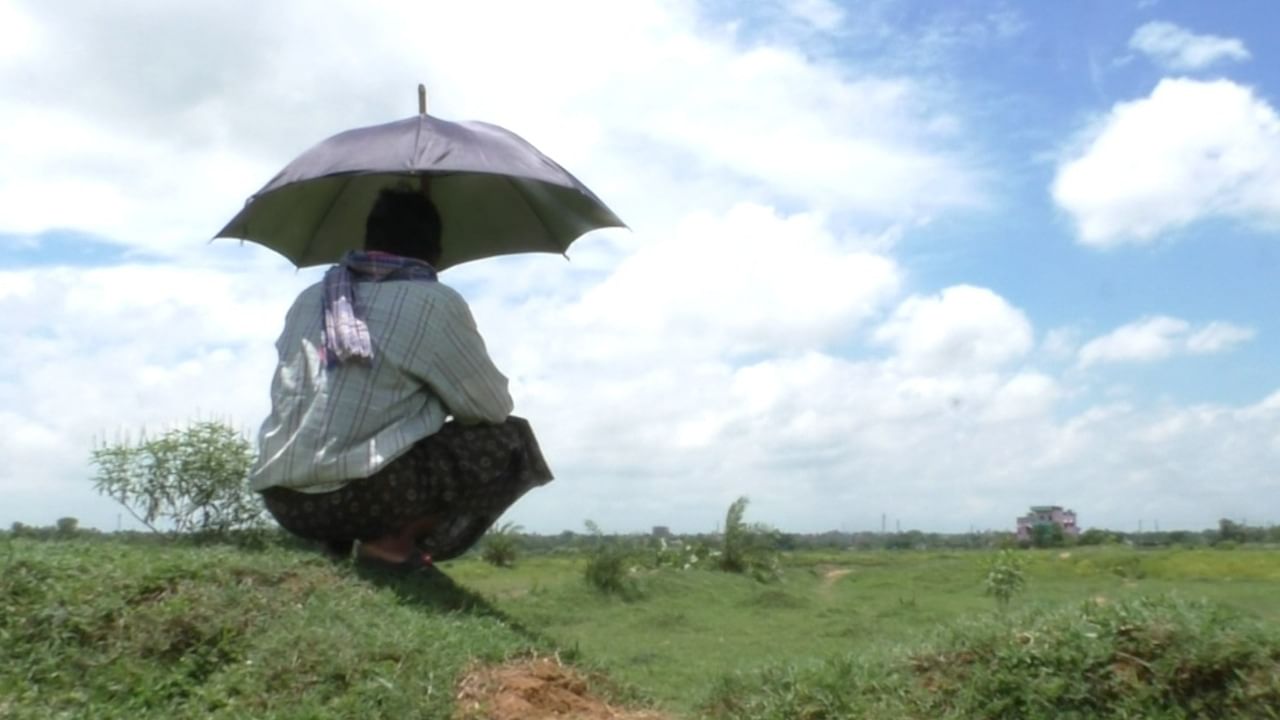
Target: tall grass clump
1141 658
501 546
1005 577
748 548
608 567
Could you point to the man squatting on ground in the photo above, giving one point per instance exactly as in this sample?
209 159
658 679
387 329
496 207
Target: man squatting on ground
373 361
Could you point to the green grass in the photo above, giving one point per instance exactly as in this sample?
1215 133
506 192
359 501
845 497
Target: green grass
691 629
110 627
1139 658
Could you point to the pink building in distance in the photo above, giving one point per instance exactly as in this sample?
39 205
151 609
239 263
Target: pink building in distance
1047 515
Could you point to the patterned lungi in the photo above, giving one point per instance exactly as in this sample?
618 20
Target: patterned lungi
466 476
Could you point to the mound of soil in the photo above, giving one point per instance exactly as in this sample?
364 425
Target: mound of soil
534 689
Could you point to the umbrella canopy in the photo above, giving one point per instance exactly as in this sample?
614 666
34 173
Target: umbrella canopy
497 194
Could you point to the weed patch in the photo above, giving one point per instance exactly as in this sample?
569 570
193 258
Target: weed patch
1141 658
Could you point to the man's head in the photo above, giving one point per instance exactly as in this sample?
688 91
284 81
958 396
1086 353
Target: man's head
406 223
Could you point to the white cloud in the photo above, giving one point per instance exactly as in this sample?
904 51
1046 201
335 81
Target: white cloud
1217 337
821 14
94 353
749 281
1145 340
18 34
1160 337
1179 49
1060 343
961 328
1027 394
947 31
1167 463
1190 150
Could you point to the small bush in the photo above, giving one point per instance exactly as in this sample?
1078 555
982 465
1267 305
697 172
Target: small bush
1096 536
501 546
748 548
195 478
608 568
1047 535
1005 577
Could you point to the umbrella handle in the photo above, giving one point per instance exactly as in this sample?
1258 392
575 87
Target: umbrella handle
423 180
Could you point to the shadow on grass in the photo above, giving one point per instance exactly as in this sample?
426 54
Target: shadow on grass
433 590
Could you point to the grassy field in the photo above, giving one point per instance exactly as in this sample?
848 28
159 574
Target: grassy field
148 629
110 629
691 629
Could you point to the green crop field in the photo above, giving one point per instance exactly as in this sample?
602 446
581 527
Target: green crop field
104 627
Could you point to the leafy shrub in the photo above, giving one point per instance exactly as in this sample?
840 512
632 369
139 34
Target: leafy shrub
909 540
193 477
1005 577
607 569
1232 531
607 572
1047 535
748 548
1097 536
501 546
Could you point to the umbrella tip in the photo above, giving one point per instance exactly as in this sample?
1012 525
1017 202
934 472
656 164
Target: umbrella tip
422 99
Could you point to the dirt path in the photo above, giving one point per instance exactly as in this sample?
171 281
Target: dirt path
535 689
830 577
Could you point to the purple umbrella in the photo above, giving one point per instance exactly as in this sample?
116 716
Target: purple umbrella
497 194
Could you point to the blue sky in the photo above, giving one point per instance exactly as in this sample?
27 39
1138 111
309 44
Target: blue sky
935 260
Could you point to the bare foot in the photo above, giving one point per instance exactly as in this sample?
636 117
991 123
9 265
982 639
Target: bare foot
398 547
389 549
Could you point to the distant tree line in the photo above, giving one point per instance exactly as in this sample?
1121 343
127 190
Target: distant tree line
65 527
1228 534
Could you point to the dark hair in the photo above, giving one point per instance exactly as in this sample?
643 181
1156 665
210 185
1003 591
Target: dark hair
406 223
